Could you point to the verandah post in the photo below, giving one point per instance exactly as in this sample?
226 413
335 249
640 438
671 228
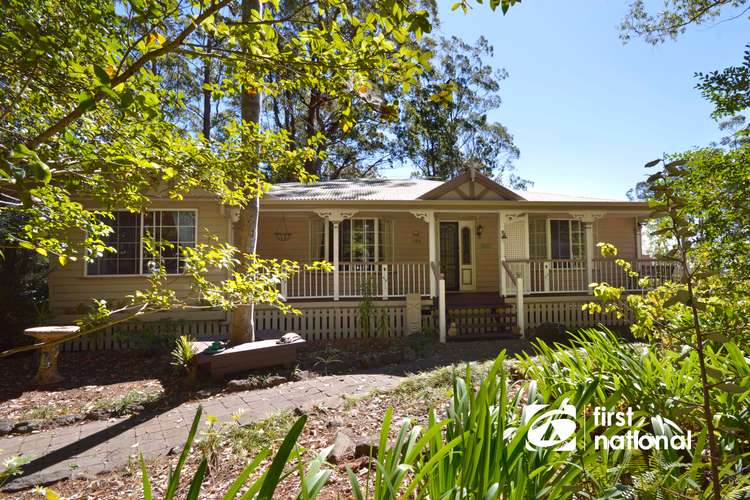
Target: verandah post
441 310
589 229
335 259
520 311
432 245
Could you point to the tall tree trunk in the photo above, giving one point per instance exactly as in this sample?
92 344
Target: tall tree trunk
242 327
206 91
312 110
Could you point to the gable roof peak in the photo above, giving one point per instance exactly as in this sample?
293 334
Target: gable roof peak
471 176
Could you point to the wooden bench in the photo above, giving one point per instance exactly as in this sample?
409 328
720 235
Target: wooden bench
249 356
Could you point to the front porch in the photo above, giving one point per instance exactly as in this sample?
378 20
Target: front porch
396 280
433 255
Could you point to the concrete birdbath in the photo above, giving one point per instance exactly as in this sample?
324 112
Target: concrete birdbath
47 373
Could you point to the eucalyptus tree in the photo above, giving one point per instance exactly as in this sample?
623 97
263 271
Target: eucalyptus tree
354 137
444 128
85 116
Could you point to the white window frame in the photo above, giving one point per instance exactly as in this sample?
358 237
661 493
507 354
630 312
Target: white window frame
328 234
376 247
140 244
579 261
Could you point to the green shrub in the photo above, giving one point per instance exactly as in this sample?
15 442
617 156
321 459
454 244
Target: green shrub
479 449
312 480
659 381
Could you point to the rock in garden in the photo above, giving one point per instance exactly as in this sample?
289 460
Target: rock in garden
67 419
27 426
241 385
334 423
367 446
343 448
275 380
6 426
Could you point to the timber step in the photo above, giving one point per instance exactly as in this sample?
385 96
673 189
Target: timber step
462 314
479 316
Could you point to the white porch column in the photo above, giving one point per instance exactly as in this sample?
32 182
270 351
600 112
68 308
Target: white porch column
428 216
335 259
588 218
335 217
501 251
589 230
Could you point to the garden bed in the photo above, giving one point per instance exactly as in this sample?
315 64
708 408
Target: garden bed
360 418
107 384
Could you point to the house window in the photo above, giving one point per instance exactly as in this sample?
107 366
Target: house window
360 240
538 238
173 229
566 239
125 238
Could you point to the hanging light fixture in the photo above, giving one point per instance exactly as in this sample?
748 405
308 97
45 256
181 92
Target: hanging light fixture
283 233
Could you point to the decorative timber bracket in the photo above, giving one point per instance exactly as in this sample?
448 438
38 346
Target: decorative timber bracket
514 216
587 217
423 215
336 216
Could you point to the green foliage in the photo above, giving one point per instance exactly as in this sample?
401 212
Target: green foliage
479 449
673 18
248 438
183 354
443 128
374 320
656 380
703 313
12 466
95 119
729 89
263 487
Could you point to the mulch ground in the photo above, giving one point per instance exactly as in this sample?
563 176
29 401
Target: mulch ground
93 380
358 419
361 418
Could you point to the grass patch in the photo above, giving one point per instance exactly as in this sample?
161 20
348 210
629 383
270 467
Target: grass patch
427 388
121 404
46 412
259 435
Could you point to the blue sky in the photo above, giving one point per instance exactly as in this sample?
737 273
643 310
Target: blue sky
585 110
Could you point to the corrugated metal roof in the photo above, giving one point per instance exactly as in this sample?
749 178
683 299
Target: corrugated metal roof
355 189
537 196
390 190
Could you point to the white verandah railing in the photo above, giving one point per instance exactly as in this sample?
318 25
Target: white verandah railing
572 276
356 279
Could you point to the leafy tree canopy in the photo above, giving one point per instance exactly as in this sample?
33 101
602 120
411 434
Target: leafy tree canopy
86 112
674 18
444 128
93 118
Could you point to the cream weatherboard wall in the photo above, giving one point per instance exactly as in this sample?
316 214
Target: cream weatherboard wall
71 291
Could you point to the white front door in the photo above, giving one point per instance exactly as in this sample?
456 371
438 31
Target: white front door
467 255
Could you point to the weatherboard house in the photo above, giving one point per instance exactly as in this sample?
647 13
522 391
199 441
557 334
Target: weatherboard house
464 258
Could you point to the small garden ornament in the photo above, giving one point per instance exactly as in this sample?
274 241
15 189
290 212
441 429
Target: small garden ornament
47 373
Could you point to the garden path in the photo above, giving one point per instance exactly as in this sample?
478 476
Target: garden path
102 446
